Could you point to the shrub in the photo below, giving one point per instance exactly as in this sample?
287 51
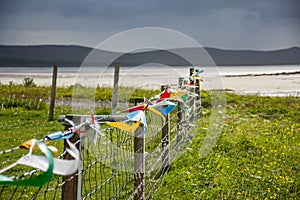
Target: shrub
27 82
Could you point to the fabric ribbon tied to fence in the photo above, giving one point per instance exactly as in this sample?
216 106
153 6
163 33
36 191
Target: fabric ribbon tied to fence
197 73
92 135
61 167
36 181
179 95
124 126
59 135
137 117
192 78
95 130
163 95
27 145
136 108
165 107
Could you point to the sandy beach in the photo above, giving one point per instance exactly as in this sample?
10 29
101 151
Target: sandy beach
282 85
270 85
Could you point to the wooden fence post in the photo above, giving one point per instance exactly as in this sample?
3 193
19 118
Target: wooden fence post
138 100
179 133
165 142
165 146
114 101
198 98
53 93
139 164
192 97
71 189
180 82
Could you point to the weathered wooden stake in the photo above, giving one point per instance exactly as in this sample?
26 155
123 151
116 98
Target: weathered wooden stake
165 142
71 189
180 82
53 93
138 100
139 164
197 100
114 101
165 146
179 133
192 99
139 160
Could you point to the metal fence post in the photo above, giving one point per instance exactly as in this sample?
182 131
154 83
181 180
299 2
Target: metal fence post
139 164
71 190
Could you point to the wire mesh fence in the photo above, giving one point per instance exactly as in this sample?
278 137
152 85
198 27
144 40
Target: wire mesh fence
118 164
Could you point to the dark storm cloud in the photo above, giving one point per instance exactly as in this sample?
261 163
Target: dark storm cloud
226 24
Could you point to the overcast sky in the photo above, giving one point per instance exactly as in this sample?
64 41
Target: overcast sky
226 24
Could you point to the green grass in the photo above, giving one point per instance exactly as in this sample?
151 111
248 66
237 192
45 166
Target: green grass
24 115
19 92
256 157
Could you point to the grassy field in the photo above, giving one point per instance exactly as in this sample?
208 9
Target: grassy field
256 157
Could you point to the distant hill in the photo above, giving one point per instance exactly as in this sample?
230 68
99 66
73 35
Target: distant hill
71 55
45 55
248 57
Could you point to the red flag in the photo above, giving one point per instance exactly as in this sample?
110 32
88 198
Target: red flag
166 94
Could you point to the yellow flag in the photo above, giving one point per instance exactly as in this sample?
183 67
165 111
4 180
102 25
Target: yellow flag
178 94
27 145
197 78
125 127
157 112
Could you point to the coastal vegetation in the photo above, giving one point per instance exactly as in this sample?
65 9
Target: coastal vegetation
256 157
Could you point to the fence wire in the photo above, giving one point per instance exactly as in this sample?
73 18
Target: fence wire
107 168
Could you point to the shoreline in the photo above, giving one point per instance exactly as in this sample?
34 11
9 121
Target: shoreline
283 84
264 74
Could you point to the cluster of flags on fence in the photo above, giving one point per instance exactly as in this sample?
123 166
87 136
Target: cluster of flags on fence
48 163
161 104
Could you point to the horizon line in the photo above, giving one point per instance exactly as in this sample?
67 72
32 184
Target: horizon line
85 46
